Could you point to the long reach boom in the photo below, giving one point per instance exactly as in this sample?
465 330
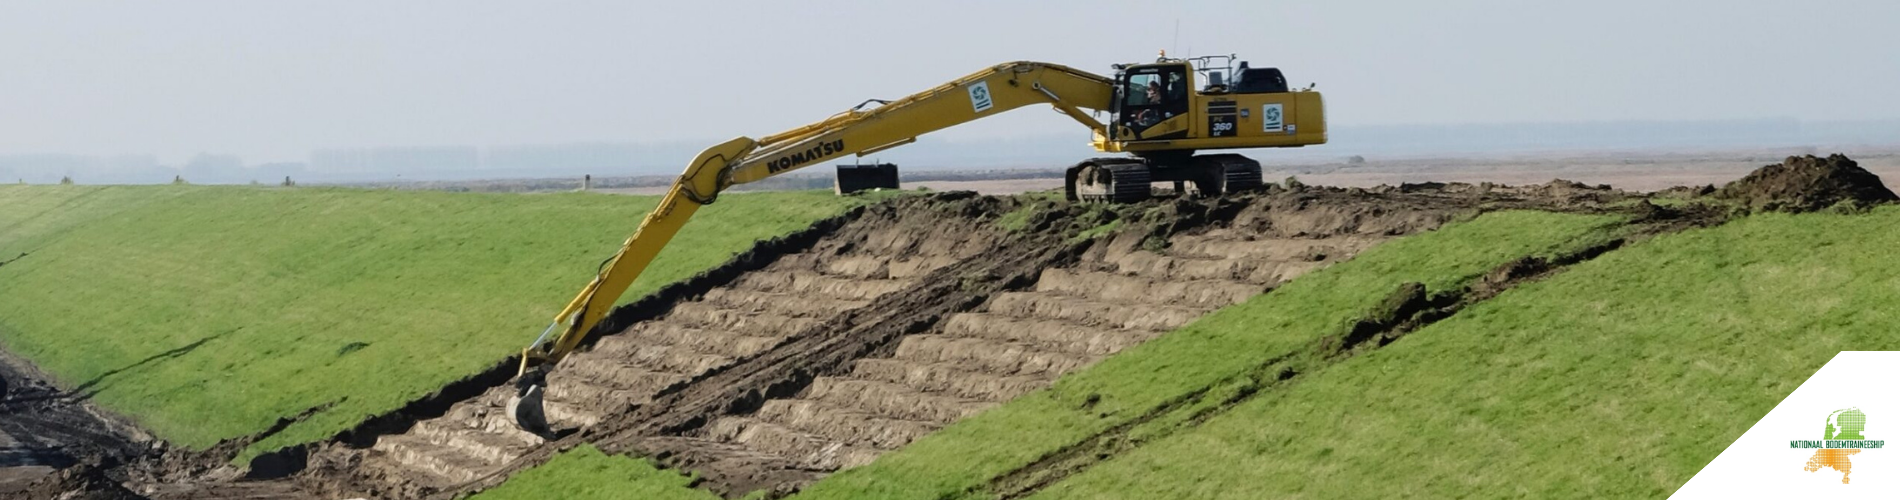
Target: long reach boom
857 131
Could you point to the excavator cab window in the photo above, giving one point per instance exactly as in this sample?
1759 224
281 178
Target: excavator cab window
1144 90
1151 95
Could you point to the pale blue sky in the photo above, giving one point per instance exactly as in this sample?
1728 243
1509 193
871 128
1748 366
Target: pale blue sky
273 80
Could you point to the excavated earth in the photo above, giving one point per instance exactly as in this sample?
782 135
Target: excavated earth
820 351
46 433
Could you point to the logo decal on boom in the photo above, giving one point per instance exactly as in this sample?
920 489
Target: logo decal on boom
815 153
980 96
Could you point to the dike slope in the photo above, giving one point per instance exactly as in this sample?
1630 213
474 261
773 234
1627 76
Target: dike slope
887 346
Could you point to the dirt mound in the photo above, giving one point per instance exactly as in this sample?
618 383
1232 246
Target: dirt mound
1806 184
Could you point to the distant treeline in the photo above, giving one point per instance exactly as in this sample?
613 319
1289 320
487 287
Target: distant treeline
789 182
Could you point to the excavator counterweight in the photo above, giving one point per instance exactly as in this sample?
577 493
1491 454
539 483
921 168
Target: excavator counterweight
857 178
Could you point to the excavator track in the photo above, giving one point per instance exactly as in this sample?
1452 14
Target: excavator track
1237 173
1110 180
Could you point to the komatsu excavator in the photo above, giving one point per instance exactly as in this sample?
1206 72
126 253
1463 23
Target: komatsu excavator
1157 115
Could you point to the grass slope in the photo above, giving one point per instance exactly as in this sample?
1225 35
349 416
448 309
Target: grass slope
585 472
210 312
961 458
1618 378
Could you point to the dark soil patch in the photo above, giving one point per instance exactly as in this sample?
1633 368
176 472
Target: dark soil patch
43 429
1806 184
80 482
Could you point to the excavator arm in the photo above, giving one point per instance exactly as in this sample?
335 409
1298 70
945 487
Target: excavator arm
857 131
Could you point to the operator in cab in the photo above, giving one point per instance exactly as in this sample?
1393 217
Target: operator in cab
1151 116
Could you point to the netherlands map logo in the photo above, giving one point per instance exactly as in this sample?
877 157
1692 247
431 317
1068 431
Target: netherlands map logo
1844 438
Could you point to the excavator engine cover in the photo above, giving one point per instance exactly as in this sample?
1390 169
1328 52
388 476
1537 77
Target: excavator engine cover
855 178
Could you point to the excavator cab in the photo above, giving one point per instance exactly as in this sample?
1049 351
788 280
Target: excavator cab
1152 95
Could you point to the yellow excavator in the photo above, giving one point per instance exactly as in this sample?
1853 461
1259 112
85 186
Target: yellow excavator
1157 115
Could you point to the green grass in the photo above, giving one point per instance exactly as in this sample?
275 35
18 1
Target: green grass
1621 377
297 298
1030 203
585 472
1096 232
1017 220
31 215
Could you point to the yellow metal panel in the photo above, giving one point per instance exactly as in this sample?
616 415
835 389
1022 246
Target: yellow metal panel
979 95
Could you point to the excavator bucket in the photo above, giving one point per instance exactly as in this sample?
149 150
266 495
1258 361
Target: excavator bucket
527 407
855 178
